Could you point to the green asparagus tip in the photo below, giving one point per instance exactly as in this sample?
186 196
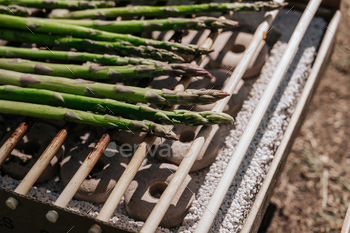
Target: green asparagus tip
191 70
218 118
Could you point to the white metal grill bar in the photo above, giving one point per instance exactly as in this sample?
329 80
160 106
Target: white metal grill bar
16 136
44 160
242 147
84 170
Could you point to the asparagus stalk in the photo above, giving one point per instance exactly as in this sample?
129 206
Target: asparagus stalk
15 10
138 26
49 112
42 26
122 48
100 72
117 92
109 106
170 69
7 51
169 10
54 4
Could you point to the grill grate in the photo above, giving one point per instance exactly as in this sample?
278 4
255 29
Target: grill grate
117 193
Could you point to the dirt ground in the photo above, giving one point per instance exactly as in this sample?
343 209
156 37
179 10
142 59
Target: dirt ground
313 192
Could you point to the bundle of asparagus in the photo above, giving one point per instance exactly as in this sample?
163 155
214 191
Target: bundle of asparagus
86 101
109 106
122 48
71 115
41 26
117 92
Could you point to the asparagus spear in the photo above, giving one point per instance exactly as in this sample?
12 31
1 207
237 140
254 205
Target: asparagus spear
42 26
109 106
103 90
179 68
7 51
43 111
138 26
15 10
54 4
100 72
123 48
169 10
